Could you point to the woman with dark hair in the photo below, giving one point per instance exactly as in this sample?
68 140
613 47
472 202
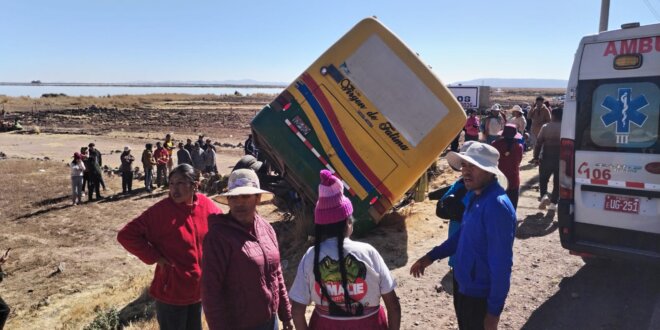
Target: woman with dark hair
170 234
345 279
511 153
77 171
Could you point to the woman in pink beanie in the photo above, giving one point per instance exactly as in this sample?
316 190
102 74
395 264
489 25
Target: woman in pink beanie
345 279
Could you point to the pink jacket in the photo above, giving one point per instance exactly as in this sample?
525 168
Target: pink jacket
175 232
242 286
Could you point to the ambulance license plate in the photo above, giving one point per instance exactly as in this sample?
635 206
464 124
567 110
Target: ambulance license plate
622 204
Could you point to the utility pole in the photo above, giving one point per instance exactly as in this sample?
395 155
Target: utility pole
604 15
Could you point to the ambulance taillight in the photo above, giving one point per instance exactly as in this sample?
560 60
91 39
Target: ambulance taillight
566 169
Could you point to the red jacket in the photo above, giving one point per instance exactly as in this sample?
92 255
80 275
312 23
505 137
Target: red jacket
175 232
509 162
242 286
162 156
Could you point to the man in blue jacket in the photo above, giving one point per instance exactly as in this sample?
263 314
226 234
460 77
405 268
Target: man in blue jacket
483 246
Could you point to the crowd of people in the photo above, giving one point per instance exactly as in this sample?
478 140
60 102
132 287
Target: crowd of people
87 165
228 266
515 131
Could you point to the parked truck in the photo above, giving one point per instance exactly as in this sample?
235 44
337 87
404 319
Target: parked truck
370 111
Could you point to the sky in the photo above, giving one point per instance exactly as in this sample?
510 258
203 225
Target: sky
275 41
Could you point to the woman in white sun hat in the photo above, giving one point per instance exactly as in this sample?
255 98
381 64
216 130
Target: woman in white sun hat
483 246
242 282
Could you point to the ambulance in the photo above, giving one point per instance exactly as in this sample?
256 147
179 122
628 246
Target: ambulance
370 111
610 155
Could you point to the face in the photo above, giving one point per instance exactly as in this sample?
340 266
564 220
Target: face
182 189
244 207
475 178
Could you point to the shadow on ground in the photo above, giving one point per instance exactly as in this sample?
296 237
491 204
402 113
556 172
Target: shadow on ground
619 295
390 238
536 225
140 309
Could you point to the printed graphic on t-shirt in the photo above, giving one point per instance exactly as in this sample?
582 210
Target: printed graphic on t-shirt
356 273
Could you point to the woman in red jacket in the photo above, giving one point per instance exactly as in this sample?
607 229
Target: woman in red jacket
170 234
243 286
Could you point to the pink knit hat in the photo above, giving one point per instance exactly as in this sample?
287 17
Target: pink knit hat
332 206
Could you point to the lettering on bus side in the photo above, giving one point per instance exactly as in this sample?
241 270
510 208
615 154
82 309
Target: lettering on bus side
371 115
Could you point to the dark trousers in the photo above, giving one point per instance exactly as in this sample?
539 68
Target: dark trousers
175 317
161 175
4 313
93 185
470 311
547 168
85 179
126 181
513 196
471 137
454 144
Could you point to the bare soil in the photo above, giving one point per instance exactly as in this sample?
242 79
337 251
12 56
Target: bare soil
66 267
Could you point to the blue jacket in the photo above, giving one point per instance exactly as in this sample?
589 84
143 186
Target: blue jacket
483 247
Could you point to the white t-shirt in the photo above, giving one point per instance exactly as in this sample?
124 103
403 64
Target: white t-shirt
367 277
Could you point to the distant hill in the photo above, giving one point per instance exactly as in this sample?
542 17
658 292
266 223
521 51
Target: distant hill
227 82
515 83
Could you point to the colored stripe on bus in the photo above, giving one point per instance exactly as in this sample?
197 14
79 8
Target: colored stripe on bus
340 141
325 163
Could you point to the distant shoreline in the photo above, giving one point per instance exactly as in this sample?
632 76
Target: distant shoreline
165 85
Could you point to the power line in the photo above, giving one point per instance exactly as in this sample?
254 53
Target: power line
652 9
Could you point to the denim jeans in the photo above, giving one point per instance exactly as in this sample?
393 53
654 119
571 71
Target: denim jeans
175 317
148 179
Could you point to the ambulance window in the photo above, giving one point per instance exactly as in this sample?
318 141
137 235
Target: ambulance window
620 116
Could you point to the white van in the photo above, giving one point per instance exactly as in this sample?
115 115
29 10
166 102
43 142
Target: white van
610 164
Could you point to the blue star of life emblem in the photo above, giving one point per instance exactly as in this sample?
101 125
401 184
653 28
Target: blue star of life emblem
624 110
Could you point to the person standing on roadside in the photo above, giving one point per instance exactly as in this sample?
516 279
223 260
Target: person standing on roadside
83 157
98 160
4 308
168 144
483 245
343 298
242 282
77 172
170 234
209 159
200 141
494 124
148 163
183 156
94 172
162 159
126 169
539 115
471 126
197 156
189 146
546 155
511 153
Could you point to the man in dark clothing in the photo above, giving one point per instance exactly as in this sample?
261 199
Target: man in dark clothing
546 155
189 146
96 154
95 173
250 148
201 142
183 156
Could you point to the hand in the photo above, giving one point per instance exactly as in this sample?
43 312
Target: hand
418 267
287 325
491 321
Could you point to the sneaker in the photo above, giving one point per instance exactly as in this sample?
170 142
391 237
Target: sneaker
545 201
552 207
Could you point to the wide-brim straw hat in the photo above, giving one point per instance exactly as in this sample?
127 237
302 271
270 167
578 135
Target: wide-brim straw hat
516 108
482 156
243 182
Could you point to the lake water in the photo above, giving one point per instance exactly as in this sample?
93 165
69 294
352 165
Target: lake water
37 91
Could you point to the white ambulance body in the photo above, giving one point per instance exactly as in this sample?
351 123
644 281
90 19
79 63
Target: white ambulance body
610 157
